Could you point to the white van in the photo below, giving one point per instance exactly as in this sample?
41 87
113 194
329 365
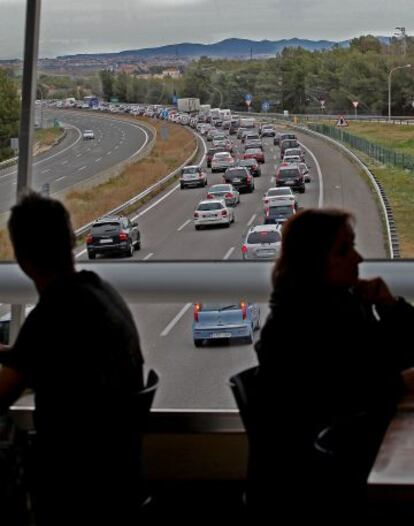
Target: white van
247 122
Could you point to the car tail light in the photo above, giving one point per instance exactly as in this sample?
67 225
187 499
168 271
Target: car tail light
224 212
123 236
266 201
197 308
89 238
210 196
244 249
267 212
228 195
248 178
196 214
243 307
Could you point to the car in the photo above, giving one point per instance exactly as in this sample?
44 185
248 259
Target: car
227 192
267 130
225 321
88 134
282 194
249 135
306 172
279 137
286 144
295 152
262 242
254 153
212 132
221 161
240 177
289 159
210 154
278 213
253 143
241 131
213 212
290 175
113 234
252 165
234 125
193 175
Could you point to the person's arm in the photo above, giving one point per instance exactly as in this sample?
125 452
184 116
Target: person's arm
12 385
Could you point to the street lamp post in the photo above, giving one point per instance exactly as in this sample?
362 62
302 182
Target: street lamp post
389 86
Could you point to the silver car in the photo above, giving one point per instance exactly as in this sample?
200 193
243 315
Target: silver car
262 242
227 192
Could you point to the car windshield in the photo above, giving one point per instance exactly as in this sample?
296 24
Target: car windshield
221 156
209 206
103 228
263 236
191 170
253 150
277 192
236 173
280 210
218 307
288 173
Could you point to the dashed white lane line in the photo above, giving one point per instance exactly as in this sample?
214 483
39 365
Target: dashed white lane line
78 154
109 153
229 253
183 225
175 320
116 147
65 162
148 256
250 221
98 159
81 168
60 178
45 171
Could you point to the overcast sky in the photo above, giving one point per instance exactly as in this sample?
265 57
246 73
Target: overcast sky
89 26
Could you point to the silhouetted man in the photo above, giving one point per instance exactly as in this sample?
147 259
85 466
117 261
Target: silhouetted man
79 351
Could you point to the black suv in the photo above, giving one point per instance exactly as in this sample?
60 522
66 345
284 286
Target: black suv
240 178
113 234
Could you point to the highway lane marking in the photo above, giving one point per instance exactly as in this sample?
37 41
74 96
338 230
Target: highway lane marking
45 171
78 154
229 253
251 220
65 162
99 159
60 178
184 225
81 168
148 256
109 153
318 168
176 319
116 147
51 156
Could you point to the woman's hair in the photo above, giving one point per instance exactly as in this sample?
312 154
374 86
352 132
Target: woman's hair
307 239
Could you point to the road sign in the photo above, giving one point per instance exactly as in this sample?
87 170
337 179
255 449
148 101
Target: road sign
265 106
355 103
248 98
14 144
341 122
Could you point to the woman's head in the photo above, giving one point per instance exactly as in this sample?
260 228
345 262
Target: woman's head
318 249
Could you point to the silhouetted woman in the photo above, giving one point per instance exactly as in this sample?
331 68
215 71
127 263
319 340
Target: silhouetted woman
330 356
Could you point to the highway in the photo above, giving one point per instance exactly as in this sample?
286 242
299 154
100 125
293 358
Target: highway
197 377
76 159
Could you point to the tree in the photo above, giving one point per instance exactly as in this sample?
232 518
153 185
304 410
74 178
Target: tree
9 114
107 81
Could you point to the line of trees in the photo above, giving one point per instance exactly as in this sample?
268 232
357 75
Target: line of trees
9 114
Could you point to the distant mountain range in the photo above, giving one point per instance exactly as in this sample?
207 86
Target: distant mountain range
229 48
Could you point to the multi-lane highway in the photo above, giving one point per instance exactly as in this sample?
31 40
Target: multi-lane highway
197 377
76 159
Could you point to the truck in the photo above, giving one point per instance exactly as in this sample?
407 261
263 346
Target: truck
204 109
188 105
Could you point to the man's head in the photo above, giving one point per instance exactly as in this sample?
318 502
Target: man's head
42 235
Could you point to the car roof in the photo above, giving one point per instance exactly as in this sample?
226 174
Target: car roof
208 201
108 219
261 228
191 166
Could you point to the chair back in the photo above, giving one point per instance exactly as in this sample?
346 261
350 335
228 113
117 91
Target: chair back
143 399
244 388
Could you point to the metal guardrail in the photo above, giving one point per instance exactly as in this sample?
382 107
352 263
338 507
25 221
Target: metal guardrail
85 228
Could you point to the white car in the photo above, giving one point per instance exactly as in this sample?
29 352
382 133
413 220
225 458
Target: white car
88 134
262 242
295 151
281 194
193 175
221 161
289 159
213 212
